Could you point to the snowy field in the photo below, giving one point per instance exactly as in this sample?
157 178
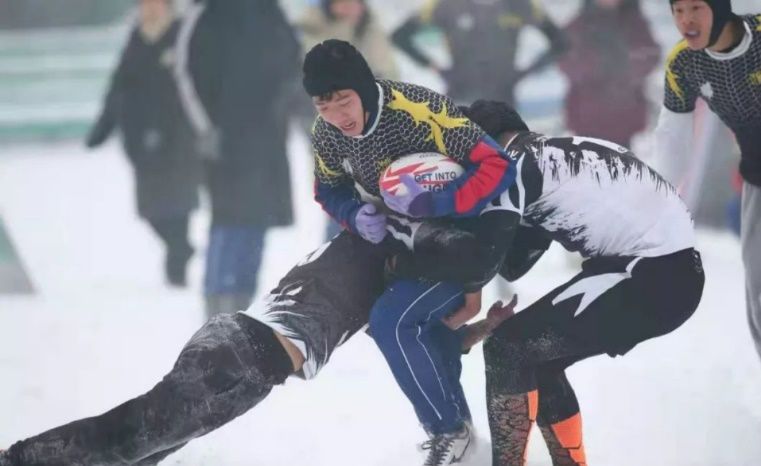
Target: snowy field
103 328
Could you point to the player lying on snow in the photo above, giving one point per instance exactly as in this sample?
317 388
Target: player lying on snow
233 361
642 278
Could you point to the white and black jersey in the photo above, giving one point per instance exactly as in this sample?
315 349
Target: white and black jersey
730 83
595 197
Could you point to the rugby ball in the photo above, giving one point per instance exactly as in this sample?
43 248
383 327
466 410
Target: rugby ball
431 170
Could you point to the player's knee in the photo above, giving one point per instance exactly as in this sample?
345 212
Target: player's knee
216 356
501 356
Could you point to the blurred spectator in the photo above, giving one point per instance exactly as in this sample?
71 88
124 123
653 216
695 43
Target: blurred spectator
482 36
236 60
143 103
611 54
352 21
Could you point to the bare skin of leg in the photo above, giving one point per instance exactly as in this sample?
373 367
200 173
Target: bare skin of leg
293 352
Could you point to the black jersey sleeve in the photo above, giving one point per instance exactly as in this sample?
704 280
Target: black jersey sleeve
528 247
333 186
680 93
469 252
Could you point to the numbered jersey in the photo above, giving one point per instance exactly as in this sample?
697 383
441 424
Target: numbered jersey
595 197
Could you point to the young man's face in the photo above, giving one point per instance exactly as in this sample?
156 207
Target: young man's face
693 19
342 109
153 10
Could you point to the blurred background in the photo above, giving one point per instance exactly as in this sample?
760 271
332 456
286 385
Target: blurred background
146 183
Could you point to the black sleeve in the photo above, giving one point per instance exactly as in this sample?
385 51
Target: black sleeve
471 256
404 38
557 47
106 122
528 246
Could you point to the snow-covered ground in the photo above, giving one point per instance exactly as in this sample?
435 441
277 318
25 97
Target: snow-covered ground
103 328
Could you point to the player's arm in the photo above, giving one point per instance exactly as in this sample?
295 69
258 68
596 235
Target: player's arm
528 247
673 133
440 126
473 251
106 122
470 256
404 36
558 43
333 187
404 39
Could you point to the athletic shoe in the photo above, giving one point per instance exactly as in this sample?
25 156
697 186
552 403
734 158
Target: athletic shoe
448 448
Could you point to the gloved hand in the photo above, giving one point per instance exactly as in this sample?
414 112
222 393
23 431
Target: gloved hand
417 202
371 224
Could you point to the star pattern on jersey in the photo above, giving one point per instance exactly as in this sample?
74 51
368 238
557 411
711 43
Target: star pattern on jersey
421 113
755 78
406 130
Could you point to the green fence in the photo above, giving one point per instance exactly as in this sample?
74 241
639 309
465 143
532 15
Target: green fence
51 80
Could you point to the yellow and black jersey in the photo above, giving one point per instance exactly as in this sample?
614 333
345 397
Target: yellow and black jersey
730 83
410 119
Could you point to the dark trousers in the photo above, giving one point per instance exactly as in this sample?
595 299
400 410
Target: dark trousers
226 368
423 353
173 232
614 304
233 259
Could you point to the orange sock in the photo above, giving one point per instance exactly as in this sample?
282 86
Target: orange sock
565 443
510 420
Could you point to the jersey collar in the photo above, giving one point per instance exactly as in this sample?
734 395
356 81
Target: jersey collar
376 117
741 48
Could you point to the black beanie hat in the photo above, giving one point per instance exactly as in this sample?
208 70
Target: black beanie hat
722 14
495 117
334 65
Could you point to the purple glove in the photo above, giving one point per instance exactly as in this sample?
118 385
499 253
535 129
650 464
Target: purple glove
417 202
370 224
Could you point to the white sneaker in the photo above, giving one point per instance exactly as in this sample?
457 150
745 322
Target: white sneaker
449 448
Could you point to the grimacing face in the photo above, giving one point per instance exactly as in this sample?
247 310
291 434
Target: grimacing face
693 19
342 109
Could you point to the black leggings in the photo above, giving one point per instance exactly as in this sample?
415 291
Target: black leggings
226 368
611 306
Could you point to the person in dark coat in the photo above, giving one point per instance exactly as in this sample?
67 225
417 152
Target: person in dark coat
482 37
142 101
237 60
611 54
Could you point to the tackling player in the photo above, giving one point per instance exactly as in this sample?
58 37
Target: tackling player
642 278
233 361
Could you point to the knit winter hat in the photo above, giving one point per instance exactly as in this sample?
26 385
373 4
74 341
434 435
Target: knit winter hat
722 13
334 65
